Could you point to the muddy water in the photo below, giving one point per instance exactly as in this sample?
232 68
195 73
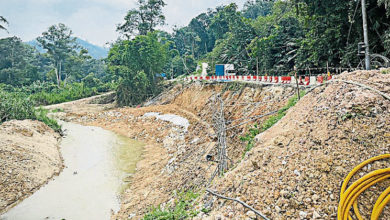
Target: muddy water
97 165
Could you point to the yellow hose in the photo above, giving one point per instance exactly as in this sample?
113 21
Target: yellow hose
349 196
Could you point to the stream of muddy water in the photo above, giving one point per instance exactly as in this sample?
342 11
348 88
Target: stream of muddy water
97 165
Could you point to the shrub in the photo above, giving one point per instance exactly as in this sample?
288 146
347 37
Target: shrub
69 93
134 91
250 138
15 106
19 107
182 209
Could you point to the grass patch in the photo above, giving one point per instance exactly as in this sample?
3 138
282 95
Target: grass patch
182 209
57 110
41 115
385 71
271 121
59 95
250 138
17 106
281 113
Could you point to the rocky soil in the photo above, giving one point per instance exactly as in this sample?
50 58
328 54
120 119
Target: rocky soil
297 167
175 158
29 157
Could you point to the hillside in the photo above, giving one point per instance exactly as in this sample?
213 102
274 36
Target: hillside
295 168
95 51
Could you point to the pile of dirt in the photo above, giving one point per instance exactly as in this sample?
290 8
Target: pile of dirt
29 157
296 169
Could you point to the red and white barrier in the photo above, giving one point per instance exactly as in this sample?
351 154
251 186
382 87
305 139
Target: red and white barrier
304 81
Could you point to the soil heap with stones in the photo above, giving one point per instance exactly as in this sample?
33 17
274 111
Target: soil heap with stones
29 157
296 169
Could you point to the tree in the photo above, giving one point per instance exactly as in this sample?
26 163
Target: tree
277 38
385 3
75 66
234 34
255 8
4 21
59 43
137 62
144 19
16 62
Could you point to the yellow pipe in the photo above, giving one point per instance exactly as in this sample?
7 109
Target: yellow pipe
377 212
361 190
349 195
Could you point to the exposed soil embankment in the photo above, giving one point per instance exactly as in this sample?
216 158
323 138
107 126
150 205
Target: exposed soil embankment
296 169
175 157
29 157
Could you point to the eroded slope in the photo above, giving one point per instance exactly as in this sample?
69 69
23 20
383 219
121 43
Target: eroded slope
296 169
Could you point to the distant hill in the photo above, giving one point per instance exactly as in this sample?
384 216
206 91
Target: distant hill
95 51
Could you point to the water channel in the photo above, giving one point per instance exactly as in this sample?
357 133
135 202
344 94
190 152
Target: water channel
97 164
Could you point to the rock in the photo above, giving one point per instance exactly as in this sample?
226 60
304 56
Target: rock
302 214
316 215
251 215
315 197
296 172
284 193
218 217
278 209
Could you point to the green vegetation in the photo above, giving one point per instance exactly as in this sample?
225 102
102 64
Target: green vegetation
264 35
250 138
22 65
255 130
281 113
65 72
183 208
18 106
69 93
282 34
136 62
385 71
57 110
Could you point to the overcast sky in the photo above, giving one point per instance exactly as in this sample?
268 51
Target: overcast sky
92 20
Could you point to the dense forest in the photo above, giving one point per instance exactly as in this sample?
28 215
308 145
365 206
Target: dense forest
265 37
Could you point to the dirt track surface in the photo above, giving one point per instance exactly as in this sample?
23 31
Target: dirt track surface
29 157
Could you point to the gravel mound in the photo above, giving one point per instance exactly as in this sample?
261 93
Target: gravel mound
298 165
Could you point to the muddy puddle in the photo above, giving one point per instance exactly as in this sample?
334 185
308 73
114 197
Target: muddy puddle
98 165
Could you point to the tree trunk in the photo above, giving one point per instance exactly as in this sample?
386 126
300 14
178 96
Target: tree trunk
58 73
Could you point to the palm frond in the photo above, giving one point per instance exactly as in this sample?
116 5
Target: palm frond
3 20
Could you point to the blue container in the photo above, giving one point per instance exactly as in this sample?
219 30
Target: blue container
219 70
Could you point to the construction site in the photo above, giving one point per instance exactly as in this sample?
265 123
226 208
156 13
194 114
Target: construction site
247 150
